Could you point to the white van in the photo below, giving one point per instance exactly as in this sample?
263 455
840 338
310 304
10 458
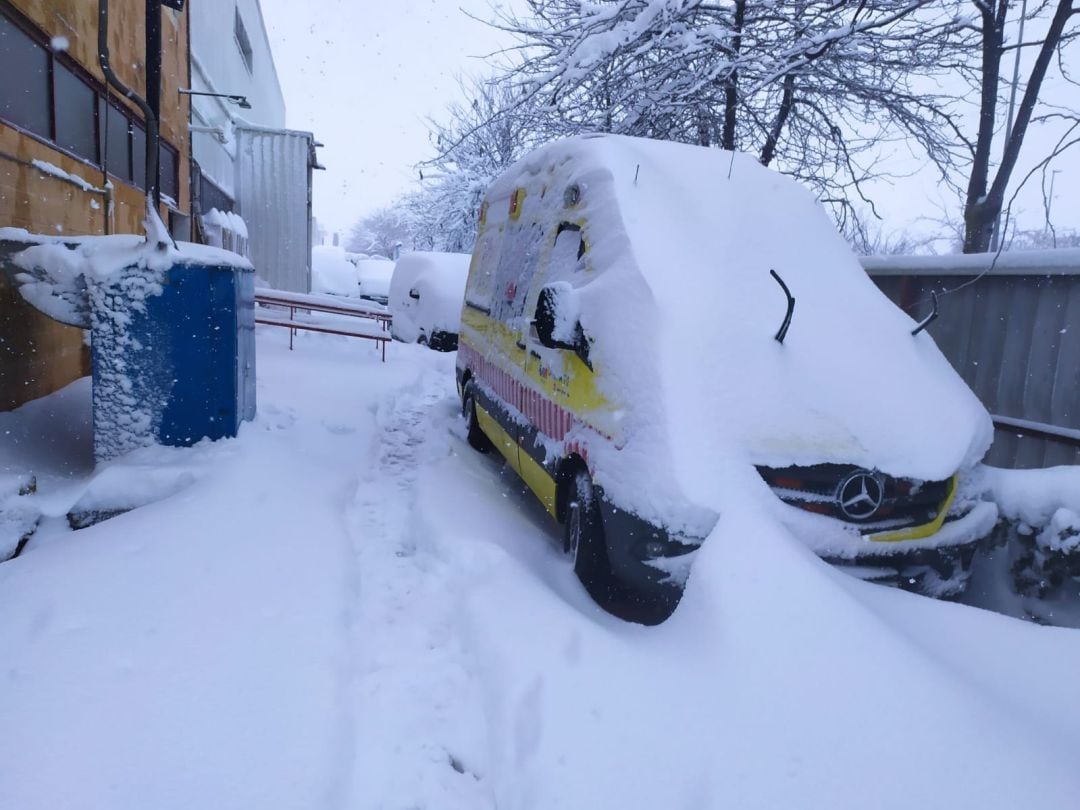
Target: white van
651 328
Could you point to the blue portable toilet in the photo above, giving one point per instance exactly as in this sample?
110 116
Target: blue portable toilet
173 353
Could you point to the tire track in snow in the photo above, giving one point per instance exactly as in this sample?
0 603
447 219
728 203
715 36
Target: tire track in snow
420 729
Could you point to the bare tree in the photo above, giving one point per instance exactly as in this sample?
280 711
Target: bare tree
872 240
379 232
815 87
986 187
478 139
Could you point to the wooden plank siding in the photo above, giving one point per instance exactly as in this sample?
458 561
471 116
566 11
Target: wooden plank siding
39 355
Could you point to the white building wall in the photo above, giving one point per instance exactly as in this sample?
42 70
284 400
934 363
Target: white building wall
248 153
218 65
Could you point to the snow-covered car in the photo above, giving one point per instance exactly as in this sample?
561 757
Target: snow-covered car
332 272
373 278
425 298
652 330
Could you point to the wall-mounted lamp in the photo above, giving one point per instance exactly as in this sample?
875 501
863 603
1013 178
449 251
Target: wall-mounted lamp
238 100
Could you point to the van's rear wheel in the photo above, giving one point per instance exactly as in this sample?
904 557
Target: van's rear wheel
583 533
477 439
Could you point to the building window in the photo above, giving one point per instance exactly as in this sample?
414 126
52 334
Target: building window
76 129
242 41
169 172
138 155
46 96
118 141
211 196
24 91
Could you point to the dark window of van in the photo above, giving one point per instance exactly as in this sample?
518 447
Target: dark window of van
480 287
569 248
517 265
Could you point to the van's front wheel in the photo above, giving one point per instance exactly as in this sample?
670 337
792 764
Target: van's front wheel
583 533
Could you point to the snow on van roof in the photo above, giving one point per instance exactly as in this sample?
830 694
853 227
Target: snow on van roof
687 341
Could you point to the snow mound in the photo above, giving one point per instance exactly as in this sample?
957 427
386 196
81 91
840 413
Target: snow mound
1031 497
778 682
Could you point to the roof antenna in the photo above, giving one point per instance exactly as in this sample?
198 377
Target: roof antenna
638 169
731 166
780 335
925 322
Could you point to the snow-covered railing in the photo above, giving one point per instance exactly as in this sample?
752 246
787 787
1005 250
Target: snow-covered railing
1010 325
301 305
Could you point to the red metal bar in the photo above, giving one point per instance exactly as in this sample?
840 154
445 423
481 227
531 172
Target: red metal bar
292 326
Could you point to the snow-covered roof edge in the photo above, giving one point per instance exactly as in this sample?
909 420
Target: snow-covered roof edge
256 128
1061 262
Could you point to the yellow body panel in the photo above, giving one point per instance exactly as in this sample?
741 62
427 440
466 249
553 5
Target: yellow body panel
502 440
542 484
923 531
576 390
535 476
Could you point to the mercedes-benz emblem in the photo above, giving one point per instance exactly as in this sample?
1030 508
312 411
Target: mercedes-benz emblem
860 495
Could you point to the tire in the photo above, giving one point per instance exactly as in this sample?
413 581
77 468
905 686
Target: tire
583 533
423 341
477 439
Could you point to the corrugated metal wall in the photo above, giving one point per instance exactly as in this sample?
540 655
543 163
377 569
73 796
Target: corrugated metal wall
1013 334
273 194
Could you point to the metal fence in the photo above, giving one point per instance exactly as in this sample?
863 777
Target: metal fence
1011 328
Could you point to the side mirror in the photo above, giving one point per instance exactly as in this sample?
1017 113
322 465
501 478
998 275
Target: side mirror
414 294
557 319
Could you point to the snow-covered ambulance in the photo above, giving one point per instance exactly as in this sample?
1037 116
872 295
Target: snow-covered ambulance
652 329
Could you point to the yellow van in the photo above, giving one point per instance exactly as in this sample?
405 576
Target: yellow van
631 344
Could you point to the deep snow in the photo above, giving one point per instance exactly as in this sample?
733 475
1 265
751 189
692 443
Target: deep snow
347 607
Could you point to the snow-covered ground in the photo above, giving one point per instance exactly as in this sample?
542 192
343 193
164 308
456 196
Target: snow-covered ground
346 607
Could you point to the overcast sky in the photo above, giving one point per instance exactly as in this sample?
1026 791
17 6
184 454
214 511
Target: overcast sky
364 75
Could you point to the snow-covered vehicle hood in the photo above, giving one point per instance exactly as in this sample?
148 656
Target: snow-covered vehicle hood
682 311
